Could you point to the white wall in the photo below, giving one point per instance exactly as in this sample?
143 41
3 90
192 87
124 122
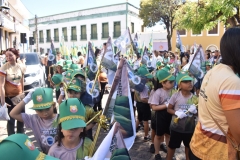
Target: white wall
81 13
98 21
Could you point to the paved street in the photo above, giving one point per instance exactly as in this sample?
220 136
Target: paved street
139 151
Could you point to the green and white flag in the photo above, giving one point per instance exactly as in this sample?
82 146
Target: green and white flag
112 146
119 104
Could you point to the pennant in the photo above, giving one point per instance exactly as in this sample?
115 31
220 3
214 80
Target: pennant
109 60
123 42
112 146
135 41
150 45
52 55
135 50
145 57
197 65
179 43
119 104
137 83
91 63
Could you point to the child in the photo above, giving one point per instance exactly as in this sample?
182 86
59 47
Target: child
19 146
159 104
71 140
181 106
74 90
159 65
143 108
44 123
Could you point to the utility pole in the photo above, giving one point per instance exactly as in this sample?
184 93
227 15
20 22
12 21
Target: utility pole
36 33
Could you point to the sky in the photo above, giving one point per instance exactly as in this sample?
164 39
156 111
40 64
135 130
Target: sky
49 7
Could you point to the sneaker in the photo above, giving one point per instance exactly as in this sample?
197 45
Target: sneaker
163 147
158 157
147 138
152 149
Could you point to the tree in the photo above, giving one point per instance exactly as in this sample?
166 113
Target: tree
205 14
155 11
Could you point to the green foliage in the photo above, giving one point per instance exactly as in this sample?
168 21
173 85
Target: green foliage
155 11
205 14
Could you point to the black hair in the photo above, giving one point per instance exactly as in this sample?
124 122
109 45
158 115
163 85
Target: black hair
105 44
208 55
79 53
60 135
229 46
96 52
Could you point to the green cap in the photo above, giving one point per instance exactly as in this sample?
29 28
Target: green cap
143 72
19 146
73 67
68 75
75 85
208 63
159 65
182 76
79 71
60 63
72 114
163 75
67 64
42 98
57 79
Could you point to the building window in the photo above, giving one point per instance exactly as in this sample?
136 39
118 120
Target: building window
41 40
94 31
73 33
132 27
56 35
105 31
214 30
116 29
49 35
182 32
64 31
83 32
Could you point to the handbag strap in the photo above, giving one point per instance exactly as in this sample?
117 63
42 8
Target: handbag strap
233 144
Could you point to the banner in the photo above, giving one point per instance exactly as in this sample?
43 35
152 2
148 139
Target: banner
112 146
109 61
123 42
160 46
119 104
197 65
135 49
91 63
145 57
179 43
52 55
137 83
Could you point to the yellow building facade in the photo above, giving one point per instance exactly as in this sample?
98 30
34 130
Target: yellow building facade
209 39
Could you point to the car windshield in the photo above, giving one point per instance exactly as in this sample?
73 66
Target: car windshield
31 58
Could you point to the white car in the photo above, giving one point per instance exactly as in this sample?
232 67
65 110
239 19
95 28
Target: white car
35 71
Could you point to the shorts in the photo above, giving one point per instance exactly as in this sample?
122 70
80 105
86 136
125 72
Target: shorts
163 121
153 120
144 111
176 139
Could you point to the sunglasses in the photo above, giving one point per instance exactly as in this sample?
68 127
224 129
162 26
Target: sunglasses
186 81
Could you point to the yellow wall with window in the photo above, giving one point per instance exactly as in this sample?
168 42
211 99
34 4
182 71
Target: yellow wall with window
208 39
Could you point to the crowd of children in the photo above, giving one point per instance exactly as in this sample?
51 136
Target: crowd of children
168 99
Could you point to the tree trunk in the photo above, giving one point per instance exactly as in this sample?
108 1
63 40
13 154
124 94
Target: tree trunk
169 37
